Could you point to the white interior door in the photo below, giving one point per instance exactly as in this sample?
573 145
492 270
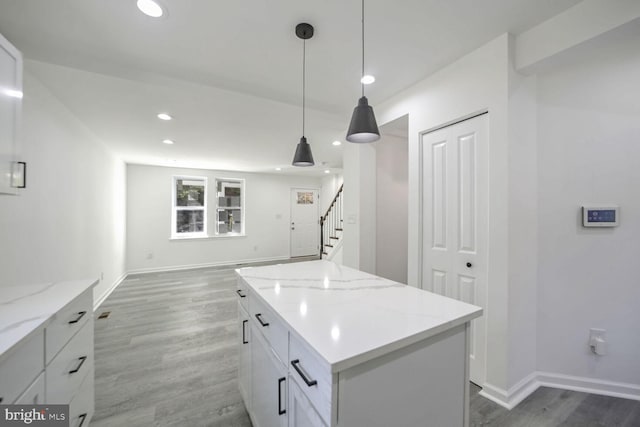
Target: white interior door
455 222
305 222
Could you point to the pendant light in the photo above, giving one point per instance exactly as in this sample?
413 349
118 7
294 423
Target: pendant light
303 156
363 126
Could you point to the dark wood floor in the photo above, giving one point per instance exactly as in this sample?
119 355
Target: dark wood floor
166 356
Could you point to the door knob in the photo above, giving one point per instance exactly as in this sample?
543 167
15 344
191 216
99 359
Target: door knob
469 265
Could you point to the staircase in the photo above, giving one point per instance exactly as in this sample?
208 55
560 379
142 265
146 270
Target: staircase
331 228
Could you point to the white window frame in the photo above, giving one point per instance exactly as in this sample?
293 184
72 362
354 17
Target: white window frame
237 182
175 209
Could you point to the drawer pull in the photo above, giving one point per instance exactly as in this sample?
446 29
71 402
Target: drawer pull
239 292
82 418
244 336
1 399
82 360
77 319
280 410
259 317
310 383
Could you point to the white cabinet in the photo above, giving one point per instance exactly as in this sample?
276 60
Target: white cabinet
48 354
244 350
10 109
301 411
269 382
20 366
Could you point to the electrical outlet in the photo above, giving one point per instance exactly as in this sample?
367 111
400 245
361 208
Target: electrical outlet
597 341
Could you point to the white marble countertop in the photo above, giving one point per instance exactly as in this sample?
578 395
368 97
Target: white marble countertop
349 316
26 309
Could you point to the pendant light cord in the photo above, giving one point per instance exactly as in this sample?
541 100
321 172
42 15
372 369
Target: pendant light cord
362 84
304 73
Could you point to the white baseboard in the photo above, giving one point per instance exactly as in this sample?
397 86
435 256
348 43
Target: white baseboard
516 394
209 264
108 292
590 385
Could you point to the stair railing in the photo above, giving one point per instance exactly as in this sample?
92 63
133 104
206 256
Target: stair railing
331 223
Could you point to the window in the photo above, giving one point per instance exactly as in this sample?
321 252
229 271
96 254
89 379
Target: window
189 215
230 207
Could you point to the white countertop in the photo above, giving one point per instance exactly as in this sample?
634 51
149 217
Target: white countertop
349 316
26 309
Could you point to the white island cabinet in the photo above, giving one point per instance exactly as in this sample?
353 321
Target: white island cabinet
326 345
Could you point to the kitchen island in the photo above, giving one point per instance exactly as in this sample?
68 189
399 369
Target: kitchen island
326 345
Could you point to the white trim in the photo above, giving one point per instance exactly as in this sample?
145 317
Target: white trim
209 264
516 394
590 385
109 291
529 384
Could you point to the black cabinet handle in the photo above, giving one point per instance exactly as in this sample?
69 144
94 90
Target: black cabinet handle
82 360
82 418
1 399
244 337
469 265
239 292
77 319
280 410
259 317
310 383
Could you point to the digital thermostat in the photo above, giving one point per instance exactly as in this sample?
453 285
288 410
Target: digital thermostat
600 216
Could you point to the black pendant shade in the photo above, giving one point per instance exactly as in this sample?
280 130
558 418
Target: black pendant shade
303 156
363 127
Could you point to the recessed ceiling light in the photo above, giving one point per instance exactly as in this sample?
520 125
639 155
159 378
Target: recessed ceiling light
367 79
336 143
327 171
168 141
150 8
278 169
164 116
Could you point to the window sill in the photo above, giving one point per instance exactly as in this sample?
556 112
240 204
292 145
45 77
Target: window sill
223 236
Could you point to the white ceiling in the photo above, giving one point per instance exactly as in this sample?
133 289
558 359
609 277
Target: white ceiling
230 72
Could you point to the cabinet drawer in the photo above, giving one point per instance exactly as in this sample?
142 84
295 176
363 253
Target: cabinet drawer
67 370
34 394
243 293
82 407
271 326
21 367
67 322
313 376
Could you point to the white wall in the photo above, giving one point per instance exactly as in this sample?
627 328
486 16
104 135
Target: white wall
359 238
69 223
476 82
589 152
391 207
267 220
523 226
